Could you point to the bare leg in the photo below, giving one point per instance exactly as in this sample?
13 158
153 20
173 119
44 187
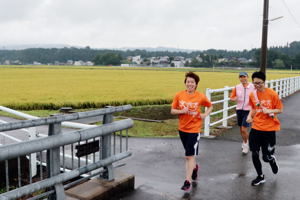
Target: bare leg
190 164
244 133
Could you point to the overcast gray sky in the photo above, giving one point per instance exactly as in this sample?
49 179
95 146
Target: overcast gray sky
187 24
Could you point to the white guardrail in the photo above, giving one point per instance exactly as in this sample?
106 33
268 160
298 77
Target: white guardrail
284 87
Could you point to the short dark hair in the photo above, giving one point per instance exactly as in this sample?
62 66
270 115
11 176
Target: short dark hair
261 75
192 75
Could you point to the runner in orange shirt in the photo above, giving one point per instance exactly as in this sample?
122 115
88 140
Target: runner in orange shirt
187 105
265 105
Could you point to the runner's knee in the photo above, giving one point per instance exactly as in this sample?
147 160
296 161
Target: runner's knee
255 155
267 157
189 157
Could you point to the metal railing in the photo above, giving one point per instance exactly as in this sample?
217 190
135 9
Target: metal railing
63 157
284 87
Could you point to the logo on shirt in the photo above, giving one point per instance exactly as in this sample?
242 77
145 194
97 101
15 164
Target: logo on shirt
192 107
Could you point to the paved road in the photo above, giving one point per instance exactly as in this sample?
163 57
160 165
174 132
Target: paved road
225 173
158 166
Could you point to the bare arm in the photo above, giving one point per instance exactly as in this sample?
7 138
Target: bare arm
233 98
207 112
272 111
179 112
250 116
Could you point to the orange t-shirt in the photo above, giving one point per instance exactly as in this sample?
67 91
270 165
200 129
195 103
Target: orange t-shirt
191 121
267 99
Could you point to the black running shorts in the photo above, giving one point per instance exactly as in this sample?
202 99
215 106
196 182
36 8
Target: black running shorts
265 140
242 117
190 142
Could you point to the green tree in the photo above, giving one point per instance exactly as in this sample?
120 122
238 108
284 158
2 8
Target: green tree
296 61
195 63
272 55
278 64
108 59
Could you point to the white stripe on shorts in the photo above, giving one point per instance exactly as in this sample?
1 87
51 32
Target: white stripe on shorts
196 144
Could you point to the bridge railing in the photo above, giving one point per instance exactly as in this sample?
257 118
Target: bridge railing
220 97
64 159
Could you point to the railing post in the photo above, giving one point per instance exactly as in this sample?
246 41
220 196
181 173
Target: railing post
287 87
284 88
106 150
32 136
290 86
293 85
277 87
272 84
53 164
225 107
207 118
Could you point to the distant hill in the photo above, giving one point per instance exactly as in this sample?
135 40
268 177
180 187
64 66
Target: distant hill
280 56
155 49
30 46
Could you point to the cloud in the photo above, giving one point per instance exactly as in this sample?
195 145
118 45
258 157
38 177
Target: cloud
193 24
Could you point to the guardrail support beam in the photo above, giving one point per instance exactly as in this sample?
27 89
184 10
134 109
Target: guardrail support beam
108 173
53 164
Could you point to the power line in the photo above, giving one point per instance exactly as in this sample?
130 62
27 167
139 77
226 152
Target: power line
290 12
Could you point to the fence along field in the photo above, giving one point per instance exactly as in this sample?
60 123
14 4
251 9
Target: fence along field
29 88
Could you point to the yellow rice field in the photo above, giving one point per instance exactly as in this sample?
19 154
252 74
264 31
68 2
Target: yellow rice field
95 86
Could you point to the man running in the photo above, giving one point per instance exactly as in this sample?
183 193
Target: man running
265 105
240 94
187 105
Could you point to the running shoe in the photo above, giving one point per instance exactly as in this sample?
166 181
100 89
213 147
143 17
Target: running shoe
273 164
245 148
195 173
259 179
186 186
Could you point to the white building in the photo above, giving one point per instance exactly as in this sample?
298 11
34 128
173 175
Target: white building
78 63
89 63
136 60
199 58
177 63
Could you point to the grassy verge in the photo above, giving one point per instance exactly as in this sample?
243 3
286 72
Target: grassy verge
38 113
153 129
167 128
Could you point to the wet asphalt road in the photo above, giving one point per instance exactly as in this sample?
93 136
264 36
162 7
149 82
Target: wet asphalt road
158 166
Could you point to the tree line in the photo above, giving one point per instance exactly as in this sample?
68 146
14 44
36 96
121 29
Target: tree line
278 57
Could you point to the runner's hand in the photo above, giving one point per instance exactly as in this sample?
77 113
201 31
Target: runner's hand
202 116
184 110
249 120
267 111
233 98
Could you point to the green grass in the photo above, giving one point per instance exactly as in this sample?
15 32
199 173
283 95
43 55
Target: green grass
2 190
52 87
168 128
38 113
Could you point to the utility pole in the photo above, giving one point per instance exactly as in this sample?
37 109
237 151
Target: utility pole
264 48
